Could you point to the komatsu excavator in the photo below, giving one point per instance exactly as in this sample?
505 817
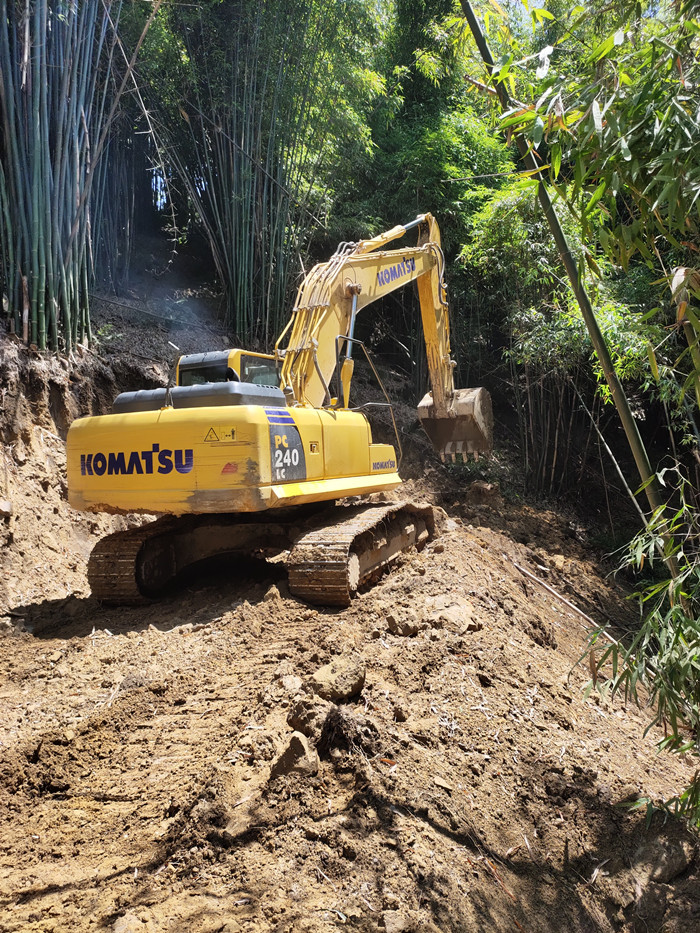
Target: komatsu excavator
240 451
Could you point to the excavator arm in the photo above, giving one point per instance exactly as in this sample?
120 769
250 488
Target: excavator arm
328 302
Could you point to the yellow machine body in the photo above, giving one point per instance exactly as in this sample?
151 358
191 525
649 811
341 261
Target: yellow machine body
240 434
245 432
242 458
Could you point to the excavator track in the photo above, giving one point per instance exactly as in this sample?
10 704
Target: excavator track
329 563
330 555
136 566
113 562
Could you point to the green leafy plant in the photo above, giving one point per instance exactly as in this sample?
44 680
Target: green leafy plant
659 667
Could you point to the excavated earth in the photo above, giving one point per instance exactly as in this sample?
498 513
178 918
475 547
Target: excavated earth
232 759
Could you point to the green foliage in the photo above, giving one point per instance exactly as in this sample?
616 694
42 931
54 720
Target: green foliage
615 119
534 315
510 248
427 159
556 340
413 43
627 336
660 666
549 341
259 101
429 149
512 253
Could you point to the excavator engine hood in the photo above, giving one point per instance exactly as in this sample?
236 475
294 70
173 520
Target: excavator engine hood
465 427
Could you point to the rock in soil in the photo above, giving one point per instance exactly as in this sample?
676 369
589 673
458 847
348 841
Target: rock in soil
340 680
298 757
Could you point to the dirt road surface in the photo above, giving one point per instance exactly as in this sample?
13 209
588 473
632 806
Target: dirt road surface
232 759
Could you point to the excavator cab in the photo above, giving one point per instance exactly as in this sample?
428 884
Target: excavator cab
227 366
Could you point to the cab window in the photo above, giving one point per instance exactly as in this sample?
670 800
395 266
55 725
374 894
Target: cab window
259 371
215 371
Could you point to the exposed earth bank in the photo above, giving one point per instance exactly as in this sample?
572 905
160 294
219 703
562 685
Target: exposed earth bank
232 759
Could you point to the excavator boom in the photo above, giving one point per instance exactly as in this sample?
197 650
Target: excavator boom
458 422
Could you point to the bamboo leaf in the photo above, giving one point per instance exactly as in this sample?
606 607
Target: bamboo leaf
541 14
595 197
653 363
556 160
537 131
603 49
690 314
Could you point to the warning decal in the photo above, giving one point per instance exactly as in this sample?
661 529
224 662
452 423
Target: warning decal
211 435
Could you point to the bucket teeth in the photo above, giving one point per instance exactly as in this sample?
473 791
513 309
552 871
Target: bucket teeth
459 452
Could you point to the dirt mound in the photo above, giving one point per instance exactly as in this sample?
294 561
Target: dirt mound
43 543
199 764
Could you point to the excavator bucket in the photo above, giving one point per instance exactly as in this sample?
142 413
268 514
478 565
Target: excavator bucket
464 428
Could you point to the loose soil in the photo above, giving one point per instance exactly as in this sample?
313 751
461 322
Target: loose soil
459 779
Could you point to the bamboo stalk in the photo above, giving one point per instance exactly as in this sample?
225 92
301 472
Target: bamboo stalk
257 140
555 593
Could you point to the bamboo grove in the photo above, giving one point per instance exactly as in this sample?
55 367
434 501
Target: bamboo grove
241 101
251 139
56 80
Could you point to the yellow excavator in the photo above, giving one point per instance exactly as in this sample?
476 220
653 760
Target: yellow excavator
240 451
